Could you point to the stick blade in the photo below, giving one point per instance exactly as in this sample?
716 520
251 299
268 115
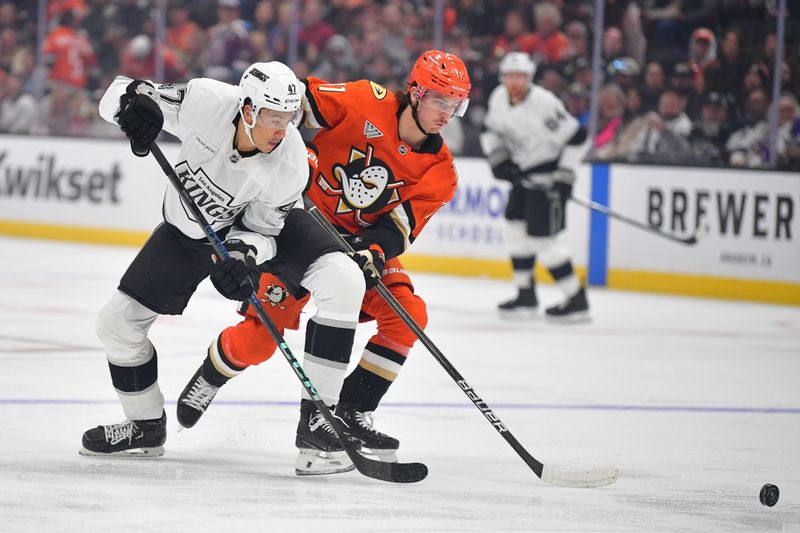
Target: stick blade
391 472
589 478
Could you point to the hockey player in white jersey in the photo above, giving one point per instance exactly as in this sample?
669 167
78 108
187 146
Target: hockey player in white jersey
527 129
245 165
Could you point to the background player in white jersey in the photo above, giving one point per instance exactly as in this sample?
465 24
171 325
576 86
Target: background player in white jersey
245 165
527 129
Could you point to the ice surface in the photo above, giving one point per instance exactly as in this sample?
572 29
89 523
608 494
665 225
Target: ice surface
697 402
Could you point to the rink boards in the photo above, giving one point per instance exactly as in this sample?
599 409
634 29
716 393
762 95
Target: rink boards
97 191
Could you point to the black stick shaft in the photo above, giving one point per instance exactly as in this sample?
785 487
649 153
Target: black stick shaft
490 415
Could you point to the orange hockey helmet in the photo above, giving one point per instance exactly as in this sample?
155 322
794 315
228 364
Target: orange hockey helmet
444 74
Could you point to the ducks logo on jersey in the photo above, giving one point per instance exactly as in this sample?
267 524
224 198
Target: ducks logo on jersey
364 185
275 295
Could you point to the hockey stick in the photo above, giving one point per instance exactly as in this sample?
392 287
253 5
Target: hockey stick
596 477
394 472
699 233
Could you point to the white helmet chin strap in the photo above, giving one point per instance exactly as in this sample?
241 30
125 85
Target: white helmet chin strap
248 127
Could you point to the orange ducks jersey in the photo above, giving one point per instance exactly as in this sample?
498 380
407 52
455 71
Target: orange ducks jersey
368 181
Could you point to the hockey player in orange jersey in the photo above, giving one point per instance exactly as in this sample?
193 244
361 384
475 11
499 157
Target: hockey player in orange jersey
380 170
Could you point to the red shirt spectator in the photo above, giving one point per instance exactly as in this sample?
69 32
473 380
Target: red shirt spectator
515 37
57 8
139 61
548 41
69 54
314 29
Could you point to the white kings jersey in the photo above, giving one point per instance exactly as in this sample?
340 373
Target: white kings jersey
221 181
533 131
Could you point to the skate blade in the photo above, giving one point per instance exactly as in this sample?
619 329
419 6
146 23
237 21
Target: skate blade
581 317
519 314
136 453
317 463
386 456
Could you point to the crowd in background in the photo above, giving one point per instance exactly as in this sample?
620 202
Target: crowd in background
683 82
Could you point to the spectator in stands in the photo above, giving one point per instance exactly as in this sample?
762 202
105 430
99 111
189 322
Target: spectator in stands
666 26
624 71
612 44
18 110
577 40
577 103
610 109
278 37
139 61
183 34
314 31
56 8
654 84
788 132
8 46
732 60
665 135
65 111
583 72
688 82
551 79
747 146
229 51
548 42
711 132
702 49
515 36
634 104
338 61
626 15
69 54
21 23
756 77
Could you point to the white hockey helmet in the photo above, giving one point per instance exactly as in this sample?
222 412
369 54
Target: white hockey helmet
517 62
272 86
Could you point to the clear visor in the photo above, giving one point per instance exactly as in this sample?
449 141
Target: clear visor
455 107
278 120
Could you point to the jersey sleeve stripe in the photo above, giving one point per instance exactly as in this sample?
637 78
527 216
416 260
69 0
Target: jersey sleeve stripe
315 118
403 223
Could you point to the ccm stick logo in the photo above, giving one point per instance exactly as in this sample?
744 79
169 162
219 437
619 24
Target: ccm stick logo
480 404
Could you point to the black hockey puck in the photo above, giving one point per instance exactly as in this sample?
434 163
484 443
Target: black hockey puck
769 495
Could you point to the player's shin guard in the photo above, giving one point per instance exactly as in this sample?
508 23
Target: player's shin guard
216 370
137 388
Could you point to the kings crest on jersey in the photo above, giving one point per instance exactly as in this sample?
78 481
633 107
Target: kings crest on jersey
366 175
222 182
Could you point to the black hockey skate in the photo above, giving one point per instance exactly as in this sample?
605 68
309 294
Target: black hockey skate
132 438
524 305
574 310
195 399
361 427
320 451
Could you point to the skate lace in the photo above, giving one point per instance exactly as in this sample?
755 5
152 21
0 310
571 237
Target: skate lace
318 421
200 395
116 433
366 419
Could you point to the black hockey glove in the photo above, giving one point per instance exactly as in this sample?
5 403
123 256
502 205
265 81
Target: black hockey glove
139 116
236 277
507 171
370 260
